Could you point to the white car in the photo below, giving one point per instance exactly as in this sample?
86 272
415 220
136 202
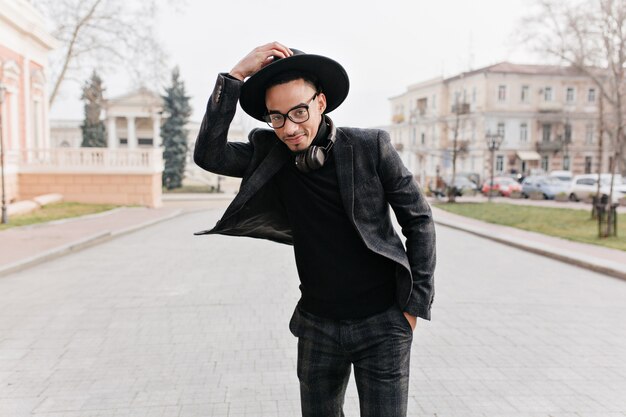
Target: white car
563 176
586 186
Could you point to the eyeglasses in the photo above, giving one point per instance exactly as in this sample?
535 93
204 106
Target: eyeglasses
298 114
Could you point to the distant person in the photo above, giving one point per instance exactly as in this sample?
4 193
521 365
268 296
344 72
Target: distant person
326 191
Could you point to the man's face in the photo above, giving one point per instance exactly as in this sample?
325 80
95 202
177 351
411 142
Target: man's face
284 97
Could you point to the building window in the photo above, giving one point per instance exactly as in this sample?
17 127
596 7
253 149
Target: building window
568 133
473 132
502 93
474 95
523 132
591 95
589 134
547 94
423 138
524 95
434 101
545 163
566 163
422 105
36 124
547 132
569 95
587 165
500 163
501 130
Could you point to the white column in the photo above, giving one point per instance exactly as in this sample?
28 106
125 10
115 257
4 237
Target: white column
15 121
112 141
132 134
156 130
28 102
45 113
5 123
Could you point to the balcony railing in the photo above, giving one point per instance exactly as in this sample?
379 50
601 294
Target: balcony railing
92 160
550 106
549 146
460 108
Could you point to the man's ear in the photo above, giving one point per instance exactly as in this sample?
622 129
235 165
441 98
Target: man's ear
322 102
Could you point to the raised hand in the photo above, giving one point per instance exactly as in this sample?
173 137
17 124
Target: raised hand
259 58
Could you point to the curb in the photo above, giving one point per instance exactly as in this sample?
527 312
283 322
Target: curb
563 256
81 244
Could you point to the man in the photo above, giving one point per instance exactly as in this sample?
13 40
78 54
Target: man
327 191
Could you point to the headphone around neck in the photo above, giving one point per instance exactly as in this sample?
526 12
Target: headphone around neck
315 156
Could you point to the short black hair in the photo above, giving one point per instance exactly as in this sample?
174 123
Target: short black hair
288 76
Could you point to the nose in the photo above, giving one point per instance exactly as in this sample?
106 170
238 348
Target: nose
290 127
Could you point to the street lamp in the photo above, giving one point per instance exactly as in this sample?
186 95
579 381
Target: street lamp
493 144
5 220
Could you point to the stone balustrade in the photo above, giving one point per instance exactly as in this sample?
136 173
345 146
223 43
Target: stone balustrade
91 160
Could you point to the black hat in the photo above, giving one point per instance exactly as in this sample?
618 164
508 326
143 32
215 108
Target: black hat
331 76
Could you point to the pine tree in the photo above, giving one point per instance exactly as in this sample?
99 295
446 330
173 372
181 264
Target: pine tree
94 132
176 107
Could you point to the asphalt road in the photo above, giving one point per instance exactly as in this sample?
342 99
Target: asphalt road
162 323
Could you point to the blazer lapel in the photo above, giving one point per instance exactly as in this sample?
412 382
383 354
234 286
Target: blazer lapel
276 158
345 172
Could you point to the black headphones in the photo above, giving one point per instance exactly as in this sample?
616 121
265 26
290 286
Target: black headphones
315 157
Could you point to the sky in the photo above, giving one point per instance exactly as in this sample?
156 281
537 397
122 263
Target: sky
384 46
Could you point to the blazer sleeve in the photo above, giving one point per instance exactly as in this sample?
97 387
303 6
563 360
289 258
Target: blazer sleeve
415 218
212 151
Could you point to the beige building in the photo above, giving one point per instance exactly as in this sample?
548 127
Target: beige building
547 116
133 122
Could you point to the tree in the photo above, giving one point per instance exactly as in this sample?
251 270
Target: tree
177 109
589 35
459 109
94 132
106 34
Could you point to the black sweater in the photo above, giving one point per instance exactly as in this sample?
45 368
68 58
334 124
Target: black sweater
340 277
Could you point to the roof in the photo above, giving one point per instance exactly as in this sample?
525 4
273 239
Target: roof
506 67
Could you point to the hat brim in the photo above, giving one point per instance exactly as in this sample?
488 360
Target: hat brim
331 76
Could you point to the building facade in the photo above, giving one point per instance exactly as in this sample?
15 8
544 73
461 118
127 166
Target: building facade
24 48
547 116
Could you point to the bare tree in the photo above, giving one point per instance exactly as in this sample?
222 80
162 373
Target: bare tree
104 34
459 109
589 35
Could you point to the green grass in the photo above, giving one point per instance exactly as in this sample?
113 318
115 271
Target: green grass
55 211
571 224
191 189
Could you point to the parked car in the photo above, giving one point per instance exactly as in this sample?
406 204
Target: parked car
586 185
502 185
564 176
463 185
548 186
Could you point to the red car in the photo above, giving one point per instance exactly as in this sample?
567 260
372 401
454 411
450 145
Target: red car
502 185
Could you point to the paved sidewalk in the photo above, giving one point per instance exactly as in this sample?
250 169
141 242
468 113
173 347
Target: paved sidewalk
596 258
28 245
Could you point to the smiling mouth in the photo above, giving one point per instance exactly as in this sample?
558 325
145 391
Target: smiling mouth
293 139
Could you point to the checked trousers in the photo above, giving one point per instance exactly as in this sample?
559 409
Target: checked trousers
379 349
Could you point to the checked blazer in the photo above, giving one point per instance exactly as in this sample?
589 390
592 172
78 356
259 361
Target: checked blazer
371 179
